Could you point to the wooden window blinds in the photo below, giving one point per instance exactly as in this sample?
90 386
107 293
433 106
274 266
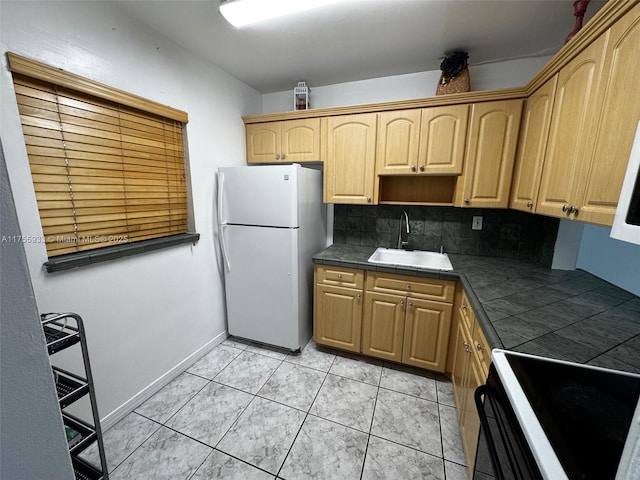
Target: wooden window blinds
106 169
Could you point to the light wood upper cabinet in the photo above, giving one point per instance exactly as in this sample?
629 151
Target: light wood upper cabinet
618 120
491 149
349 149
422 141
534 132
398 141
263 142
571 133
443 134
286 141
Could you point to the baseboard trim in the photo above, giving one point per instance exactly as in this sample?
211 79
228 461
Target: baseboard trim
134 402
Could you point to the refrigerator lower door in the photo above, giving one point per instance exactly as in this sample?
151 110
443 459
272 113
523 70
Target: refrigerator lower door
262 284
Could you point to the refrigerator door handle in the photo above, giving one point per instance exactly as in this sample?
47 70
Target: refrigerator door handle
223 247
220 195
221 225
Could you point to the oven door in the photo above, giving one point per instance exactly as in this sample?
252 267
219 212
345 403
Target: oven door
503 452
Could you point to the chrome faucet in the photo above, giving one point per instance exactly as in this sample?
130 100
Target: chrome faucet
404 231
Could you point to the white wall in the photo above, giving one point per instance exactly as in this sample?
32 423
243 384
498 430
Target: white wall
507 74
612 260
145 314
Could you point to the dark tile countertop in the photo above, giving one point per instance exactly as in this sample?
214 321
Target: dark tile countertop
568 315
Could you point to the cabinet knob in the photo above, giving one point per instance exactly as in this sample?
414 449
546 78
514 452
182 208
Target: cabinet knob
573 209
368 199
339 276
277 156
479 347
466 347
358 296
422 168
408 287
529 204
464 307
283 156
565 207
410 305
413 168
402 303
466 200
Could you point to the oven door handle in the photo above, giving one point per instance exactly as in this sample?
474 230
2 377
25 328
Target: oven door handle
477 396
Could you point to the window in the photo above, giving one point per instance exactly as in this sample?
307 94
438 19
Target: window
107 166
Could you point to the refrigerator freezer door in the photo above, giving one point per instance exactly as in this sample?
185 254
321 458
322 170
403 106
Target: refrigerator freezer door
259 195
261 284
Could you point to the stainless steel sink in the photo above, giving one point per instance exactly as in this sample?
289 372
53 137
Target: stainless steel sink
412 258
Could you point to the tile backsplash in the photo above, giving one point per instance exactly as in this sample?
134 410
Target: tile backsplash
505 233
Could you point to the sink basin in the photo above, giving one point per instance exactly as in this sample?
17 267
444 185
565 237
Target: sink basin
412 258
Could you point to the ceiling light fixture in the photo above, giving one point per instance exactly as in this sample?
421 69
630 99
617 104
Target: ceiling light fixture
244 12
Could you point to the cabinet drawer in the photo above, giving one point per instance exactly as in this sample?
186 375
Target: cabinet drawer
344 277
466 313
432 289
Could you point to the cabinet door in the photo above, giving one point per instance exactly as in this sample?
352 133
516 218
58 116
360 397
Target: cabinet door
570 135
263 142
338 317
426 334
492 139
471 426
443 133
462 356
383 326
534 133
398 137
300 140
349 152
619 118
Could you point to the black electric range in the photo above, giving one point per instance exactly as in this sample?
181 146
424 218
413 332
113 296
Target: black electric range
550 419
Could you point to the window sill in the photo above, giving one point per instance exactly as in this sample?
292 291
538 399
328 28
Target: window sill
90 257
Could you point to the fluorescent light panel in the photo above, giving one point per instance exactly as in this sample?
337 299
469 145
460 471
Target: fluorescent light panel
244 12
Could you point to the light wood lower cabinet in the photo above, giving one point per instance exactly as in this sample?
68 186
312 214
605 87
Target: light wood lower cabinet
383 326
338 309
426 334
403 319
472 357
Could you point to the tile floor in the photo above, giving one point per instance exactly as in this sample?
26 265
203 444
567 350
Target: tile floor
249 412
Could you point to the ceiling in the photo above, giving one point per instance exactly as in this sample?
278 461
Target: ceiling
360 39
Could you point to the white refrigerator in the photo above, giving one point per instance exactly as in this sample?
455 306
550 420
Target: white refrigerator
271 221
